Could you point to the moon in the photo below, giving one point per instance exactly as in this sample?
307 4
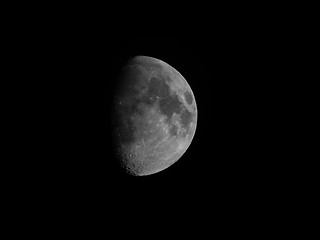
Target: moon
155 116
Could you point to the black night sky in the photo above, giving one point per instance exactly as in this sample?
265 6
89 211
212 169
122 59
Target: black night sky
238 165
229 79
229 73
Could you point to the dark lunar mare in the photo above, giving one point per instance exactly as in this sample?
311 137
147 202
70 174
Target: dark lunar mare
157 93
188 97
169 103
173 130
186 118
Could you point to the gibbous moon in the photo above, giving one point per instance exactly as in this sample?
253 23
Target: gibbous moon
155 116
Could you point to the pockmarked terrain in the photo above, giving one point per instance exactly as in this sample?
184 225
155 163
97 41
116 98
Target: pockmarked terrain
155 116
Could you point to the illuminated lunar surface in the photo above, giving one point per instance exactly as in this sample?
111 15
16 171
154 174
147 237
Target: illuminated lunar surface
155 116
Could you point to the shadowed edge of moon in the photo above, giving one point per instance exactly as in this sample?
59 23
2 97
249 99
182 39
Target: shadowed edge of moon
150 67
